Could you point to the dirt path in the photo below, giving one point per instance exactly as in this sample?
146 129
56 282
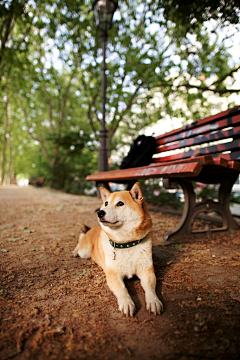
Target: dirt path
55 306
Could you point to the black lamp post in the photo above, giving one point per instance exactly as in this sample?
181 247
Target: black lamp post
104 10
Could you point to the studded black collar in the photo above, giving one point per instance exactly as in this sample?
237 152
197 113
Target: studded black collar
116 245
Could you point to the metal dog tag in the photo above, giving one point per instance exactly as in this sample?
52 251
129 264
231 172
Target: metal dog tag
114 253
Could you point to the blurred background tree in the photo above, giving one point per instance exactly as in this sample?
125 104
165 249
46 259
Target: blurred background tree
50 78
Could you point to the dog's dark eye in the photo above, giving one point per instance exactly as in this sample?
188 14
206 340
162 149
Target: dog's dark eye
120 203
106 203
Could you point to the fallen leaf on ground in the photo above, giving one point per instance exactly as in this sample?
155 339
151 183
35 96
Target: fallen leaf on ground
235 298
83 272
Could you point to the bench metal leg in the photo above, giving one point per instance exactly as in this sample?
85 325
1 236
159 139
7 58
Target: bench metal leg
102 184
192 209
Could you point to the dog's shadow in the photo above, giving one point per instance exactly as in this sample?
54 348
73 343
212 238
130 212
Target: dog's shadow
163 257
135 291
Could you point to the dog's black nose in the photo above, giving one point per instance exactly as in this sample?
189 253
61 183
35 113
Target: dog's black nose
101 213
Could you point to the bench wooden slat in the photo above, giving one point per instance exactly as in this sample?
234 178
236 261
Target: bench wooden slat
219 135
185 169
233 164
227 117
220 162
234 145
233 155
203 160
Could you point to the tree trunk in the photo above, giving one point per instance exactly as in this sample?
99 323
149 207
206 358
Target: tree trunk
9 173
5 141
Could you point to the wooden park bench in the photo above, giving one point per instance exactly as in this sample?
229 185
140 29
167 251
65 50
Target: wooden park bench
206 151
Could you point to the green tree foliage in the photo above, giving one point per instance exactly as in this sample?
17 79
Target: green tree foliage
53 81
191 15
53 117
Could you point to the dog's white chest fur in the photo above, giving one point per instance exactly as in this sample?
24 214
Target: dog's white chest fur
128 261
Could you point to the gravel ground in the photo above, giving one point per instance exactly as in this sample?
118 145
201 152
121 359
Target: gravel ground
55 306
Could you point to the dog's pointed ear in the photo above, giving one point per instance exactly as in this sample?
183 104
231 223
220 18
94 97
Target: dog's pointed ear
104 193
136 193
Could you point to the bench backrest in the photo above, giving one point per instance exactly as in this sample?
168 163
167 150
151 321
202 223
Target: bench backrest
213 135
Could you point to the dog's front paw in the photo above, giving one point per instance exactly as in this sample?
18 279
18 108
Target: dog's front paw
154 305
126 306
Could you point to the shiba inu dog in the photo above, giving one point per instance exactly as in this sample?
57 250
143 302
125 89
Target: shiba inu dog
122 246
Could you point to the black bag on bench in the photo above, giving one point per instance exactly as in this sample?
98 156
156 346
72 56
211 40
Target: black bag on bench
140 153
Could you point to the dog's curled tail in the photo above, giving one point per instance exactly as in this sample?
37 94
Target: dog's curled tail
85 229
77 250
